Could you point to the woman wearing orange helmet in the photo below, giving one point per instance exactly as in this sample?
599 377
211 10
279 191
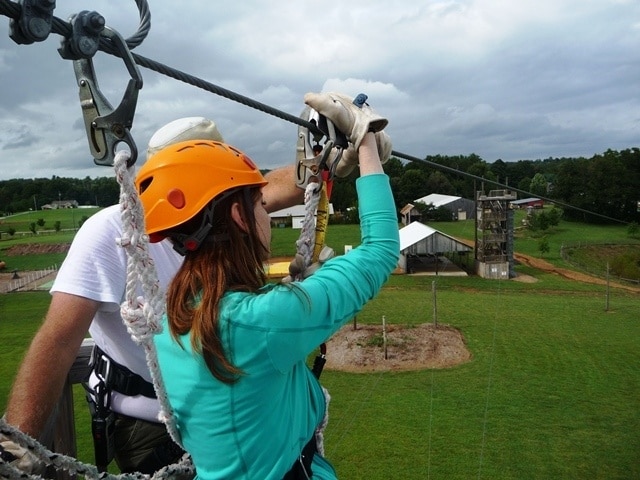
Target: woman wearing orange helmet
233 348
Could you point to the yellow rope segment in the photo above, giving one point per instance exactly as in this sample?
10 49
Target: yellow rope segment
321 222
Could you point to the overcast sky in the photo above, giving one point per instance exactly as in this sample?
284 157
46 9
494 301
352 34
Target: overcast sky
508 79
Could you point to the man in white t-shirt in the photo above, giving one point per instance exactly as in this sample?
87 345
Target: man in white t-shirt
86 296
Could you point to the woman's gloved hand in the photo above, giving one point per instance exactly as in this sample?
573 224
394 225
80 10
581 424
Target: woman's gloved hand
353 118
349 159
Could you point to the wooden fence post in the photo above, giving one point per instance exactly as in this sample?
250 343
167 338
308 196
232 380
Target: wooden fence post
60 433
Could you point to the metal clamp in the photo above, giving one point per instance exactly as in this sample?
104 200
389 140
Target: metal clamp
310 164
34 24
107 127
84 41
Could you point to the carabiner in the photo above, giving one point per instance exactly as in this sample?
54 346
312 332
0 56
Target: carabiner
106 127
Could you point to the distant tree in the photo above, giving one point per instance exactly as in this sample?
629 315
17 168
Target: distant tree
57 225
41 222
82 220
430 213
32 227
501 170
543 246
538 185
411 186
437 182
524 184
393 167
538 221
553 216
343 194
633 229
11 231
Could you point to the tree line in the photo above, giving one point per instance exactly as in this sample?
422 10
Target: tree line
606 184
19 195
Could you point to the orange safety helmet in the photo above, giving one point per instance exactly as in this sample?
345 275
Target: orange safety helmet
180 180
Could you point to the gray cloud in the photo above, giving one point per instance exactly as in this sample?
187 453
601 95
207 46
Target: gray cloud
521 80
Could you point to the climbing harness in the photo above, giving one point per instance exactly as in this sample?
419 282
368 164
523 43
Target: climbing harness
111 376
103 422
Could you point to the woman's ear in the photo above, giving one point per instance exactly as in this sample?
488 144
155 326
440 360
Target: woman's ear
236 215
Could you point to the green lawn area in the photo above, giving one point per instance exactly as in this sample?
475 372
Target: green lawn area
552 391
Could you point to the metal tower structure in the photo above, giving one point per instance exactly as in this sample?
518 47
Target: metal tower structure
494 234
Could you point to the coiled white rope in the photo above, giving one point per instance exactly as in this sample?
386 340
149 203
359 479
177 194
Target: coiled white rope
142 315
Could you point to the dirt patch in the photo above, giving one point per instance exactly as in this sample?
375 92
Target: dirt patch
36 248
540 264
361 350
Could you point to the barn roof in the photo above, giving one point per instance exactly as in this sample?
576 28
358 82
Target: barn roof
416 232
437 199
525 200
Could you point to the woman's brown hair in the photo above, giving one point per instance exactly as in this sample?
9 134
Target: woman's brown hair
228 259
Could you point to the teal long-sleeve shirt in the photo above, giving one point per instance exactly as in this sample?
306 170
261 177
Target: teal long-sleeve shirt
257 427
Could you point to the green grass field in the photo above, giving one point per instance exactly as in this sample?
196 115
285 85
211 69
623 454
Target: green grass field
552 391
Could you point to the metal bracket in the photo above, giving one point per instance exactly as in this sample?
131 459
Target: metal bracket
308 163
107 127
34 24
86 28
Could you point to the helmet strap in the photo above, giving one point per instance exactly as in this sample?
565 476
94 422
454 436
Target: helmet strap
183 243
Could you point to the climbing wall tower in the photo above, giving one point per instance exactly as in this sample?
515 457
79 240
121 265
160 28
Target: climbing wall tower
494 234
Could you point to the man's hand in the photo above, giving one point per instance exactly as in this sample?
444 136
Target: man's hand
352 119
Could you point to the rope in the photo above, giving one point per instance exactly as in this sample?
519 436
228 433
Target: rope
322 221
141 317
305 242
74 466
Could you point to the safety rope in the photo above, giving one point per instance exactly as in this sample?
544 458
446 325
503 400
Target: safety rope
322 220
309 245
141 315
306 240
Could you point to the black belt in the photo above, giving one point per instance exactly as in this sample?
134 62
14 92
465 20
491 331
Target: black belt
118 377
301 469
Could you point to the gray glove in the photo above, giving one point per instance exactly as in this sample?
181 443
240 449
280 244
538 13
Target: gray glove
349 158
354 119
297 268
23 459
